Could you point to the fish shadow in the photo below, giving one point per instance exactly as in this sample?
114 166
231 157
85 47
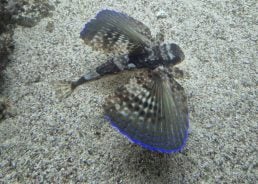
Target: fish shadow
151 167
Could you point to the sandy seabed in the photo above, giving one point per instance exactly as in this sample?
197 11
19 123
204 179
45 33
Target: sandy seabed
69 141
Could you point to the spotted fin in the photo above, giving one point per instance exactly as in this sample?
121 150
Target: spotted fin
116 32
151 111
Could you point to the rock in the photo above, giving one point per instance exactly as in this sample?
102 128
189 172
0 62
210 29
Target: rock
161 14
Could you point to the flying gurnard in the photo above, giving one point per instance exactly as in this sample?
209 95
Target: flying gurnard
151 110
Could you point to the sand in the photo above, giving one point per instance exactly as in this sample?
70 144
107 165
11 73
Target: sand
69 141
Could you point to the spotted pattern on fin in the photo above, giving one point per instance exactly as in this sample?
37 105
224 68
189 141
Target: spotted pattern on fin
151 110
116 32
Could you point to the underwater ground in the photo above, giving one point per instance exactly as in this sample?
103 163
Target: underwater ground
47 140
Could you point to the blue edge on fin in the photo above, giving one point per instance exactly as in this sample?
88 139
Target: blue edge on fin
84 30
145 145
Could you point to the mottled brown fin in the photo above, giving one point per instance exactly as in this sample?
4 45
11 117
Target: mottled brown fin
151 110
117 33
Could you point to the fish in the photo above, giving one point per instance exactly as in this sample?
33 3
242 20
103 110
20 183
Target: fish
151 109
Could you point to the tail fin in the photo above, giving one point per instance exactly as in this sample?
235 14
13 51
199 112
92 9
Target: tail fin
63 89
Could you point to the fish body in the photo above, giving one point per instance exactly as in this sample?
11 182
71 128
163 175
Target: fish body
151 110
151 58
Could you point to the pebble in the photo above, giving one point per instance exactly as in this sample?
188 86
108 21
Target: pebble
50 26
161 14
